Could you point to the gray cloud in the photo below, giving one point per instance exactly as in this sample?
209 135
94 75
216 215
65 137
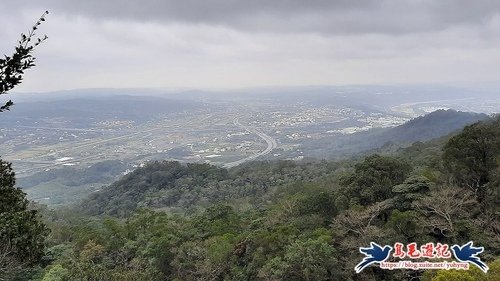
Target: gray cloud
223 43
322 16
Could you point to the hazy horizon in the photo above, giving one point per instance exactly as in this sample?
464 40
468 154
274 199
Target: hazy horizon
482 85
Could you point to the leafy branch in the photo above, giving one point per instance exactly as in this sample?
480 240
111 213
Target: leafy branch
12 67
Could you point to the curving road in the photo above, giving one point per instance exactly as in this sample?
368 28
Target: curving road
271 144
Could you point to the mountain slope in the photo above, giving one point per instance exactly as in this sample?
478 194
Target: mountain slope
433 125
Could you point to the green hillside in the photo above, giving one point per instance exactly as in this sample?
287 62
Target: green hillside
68 185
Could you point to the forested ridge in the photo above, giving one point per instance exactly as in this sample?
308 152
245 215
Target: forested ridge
284 220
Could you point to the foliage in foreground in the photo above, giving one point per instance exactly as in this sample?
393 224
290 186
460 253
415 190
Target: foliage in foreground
22 234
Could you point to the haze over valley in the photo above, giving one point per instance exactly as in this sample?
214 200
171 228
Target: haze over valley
80 128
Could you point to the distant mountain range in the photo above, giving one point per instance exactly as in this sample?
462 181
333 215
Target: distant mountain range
82 111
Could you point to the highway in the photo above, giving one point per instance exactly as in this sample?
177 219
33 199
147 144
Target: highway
271 144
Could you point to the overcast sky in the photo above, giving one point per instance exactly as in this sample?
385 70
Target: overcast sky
246 43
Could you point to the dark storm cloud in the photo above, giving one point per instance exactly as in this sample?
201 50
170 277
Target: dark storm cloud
320 16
